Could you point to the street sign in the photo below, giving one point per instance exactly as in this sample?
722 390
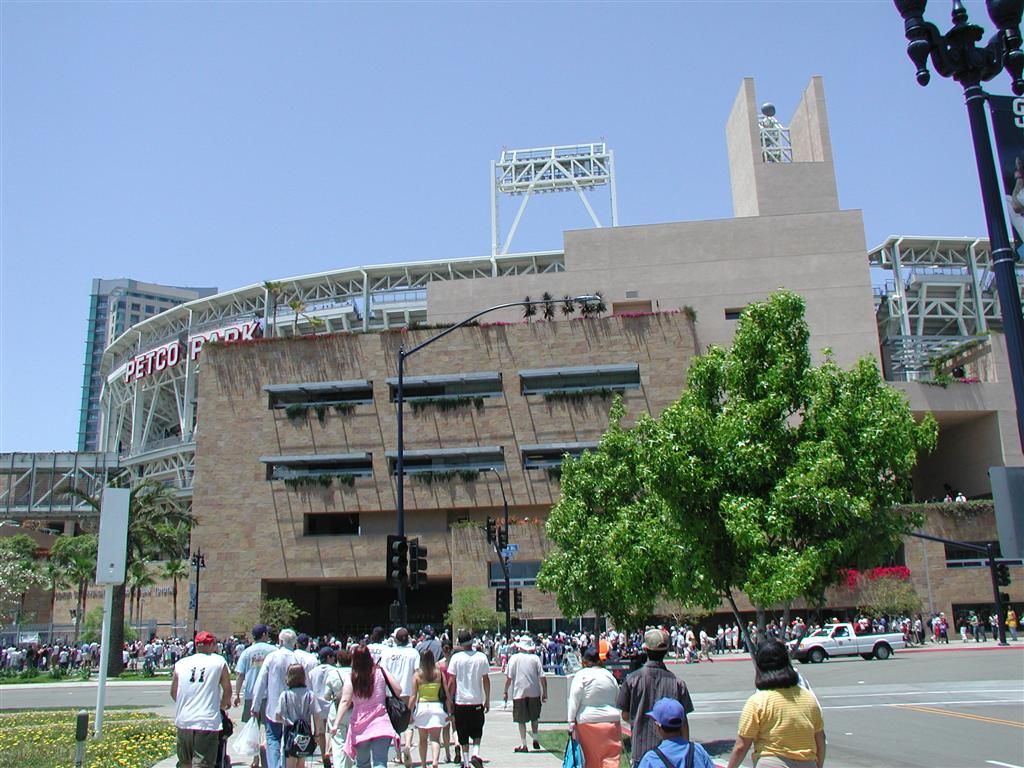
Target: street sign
510 551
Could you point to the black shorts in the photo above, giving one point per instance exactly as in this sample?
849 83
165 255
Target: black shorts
469 722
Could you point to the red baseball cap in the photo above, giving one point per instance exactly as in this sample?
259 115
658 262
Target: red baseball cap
205 638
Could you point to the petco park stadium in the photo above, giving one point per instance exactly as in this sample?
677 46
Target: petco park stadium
217 396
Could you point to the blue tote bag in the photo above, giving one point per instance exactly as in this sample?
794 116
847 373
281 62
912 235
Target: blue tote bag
573 754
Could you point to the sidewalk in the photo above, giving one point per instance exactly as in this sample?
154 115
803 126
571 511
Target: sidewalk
501 737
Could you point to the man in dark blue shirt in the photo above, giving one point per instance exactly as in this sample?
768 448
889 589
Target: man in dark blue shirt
674 751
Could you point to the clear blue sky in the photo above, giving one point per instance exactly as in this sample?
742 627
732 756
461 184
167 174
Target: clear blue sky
229 143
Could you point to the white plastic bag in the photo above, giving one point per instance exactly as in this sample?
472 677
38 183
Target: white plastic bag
247 740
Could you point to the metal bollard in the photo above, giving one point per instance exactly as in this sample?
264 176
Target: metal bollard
81 734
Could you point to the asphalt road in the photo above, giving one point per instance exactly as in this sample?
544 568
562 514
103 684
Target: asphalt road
960 709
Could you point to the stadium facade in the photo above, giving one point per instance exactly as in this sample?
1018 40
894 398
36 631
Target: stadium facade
271 407
115 306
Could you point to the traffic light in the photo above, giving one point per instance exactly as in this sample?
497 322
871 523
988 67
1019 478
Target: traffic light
398 559
1003 574
492 524
417 564
518 600
502 538
501 600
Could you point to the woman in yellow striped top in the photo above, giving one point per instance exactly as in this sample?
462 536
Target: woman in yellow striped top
782 720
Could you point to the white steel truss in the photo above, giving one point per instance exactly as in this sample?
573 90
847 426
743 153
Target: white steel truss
38 486
775 143
569 168
150 423
932 294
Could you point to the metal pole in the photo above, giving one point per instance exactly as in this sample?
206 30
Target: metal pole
1000 613
400 472
197 561
101 691
81 734
1003 257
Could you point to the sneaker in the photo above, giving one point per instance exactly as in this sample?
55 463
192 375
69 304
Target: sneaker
476 762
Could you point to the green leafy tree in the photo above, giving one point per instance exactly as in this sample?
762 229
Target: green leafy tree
21 546
888 596
768 475
156 520
469 609
92 627
280 612
17 576
176 570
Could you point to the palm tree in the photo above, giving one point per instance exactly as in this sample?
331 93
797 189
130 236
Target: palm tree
549 307
75 558
139 577
175 570
274 290
529 310
156 519
56 578
298 307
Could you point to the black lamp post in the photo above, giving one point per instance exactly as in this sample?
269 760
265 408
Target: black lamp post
957 55
503 558
198 563
403 353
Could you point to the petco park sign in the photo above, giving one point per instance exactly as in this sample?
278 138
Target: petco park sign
169 355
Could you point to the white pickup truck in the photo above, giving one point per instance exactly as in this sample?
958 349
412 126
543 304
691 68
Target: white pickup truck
841 640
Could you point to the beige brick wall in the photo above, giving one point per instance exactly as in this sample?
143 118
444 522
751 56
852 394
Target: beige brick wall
251 530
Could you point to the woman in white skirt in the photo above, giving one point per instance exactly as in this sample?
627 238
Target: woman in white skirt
429 715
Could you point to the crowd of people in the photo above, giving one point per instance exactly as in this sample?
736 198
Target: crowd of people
339 697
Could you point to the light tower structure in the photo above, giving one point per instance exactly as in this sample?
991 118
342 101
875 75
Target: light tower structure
569 168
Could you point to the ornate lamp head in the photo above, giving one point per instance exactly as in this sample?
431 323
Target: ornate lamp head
918 48
1006 15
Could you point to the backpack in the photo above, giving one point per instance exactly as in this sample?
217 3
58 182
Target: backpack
687 761
299 741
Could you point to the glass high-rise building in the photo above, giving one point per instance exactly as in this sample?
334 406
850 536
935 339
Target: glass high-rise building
114 307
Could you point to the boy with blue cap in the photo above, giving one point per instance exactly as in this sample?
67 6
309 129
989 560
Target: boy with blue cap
674 751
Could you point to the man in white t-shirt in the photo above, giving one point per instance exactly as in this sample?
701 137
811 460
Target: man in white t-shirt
201 688
270 683
525 674
401 661
472 696
307 659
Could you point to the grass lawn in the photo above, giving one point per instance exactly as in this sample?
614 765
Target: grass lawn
46 739
555 741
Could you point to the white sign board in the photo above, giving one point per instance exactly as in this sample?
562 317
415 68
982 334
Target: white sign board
113 544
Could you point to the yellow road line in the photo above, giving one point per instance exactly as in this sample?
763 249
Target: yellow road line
965 715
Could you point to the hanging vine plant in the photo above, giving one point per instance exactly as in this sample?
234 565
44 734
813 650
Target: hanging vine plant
429 478
579 395
446 403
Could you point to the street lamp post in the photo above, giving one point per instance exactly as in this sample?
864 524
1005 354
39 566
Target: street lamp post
198 563
957 55
404 353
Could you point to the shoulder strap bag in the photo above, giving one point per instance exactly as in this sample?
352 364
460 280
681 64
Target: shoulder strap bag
398 710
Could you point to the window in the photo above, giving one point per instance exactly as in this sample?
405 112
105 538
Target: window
625 307
442 460
733 313
150 309
962 557
447 386
520 574
349 392
551 454
331 524
840 632
324 465
587 378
